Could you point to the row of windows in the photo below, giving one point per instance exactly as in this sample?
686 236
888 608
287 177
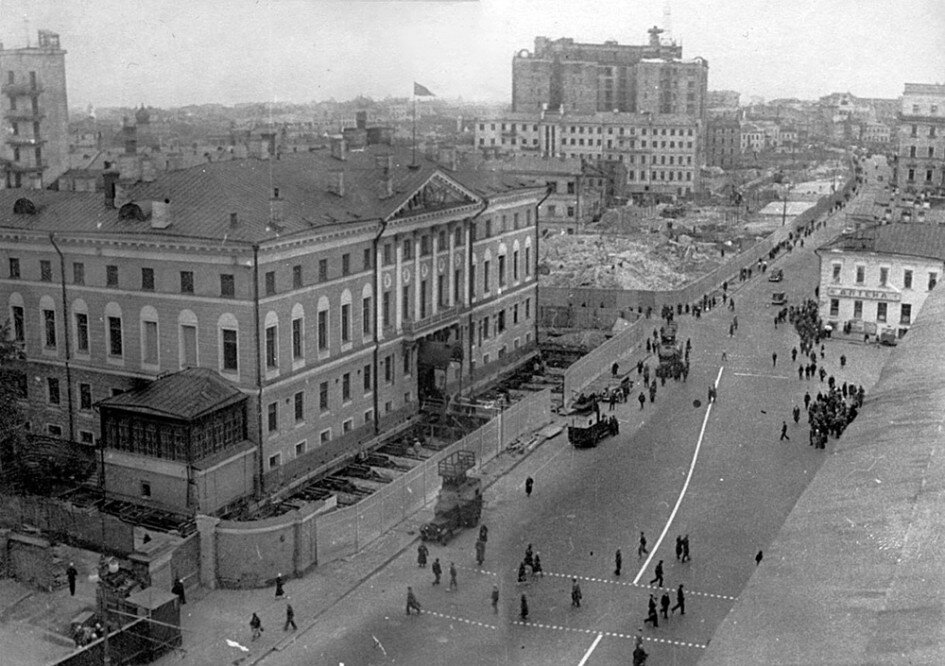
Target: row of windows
882 311
580 129
495 324
929 175
54 394
661 175
913 150
915 131
883 277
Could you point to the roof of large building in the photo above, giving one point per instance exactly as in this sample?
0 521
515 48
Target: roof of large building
184 395
202 198
855 576
911 240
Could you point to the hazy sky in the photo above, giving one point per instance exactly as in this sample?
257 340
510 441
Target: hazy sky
175 52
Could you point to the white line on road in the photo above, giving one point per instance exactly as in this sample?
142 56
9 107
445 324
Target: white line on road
590 650
682 493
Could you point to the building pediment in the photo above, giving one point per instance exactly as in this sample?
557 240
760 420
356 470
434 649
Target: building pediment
437 193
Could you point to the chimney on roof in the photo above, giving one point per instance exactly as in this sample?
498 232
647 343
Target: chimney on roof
161 214
276 206
447 158
234 221
336 182
110 179
339 148
385 188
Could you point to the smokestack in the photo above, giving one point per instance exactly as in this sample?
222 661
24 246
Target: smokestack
110 178
234 221
161 214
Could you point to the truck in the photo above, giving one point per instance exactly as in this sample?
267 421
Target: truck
459 503
668 352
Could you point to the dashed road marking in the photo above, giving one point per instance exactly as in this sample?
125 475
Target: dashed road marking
641 586
464 620
609 634
476 569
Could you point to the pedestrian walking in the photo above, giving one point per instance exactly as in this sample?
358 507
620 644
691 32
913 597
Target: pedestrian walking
437 571
412 603
653 392
800 372
651 615
648 348
641 549
806 401
521 572
256 625
724 356
731 330
483 533
822 373
784 435
480 552
613 399
678 546
664 605
453 584
774 359
640 367
793 354
177 588
642 399
495 599
290 617
614 369
422 552
523 613
575 594
72 573
843 360
685 549
796 412
680 601
758 558
529 484
536 567
618 562
280 592
529 556
658 578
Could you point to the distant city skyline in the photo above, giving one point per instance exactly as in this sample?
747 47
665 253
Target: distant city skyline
167 53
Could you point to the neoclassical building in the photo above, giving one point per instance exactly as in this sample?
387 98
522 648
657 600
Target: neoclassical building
331 290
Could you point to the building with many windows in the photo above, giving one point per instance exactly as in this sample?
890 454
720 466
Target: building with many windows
920 164
877 279
34 114
657 154
330 291
723 142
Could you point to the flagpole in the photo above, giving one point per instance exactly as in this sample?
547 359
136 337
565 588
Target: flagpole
414 159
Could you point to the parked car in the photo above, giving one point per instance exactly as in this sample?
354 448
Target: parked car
776 275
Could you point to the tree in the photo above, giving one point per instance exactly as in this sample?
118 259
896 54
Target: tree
12 390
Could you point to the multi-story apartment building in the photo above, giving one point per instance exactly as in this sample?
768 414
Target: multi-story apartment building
332 291
658 154
920 164
877 279
723 142
34 114
589 78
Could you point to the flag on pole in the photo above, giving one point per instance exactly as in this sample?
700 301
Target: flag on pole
421 91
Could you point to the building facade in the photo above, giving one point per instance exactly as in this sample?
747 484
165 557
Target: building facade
657 154
920 165
334 290
877 279
723 142
34 114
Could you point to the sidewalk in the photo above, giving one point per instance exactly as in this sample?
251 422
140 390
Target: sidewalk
211 617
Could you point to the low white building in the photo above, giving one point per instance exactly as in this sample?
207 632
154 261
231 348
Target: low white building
877 279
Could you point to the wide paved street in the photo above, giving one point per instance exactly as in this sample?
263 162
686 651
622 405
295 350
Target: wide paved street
718 472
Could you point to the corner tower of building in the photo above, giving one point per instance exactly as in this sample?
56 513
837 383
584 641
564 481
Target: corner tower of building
35 114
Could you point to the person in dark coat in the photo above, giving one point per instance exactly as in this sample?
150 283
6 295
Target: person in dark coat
758 558
521 572
658 578
642 399
784 435
72 573
685 548
422 552
529 555
651 615
453 584
412 603
529 484
289 618
256 625
495 599
797 414
178 589
664 605
280 592
680 601
618 562
536 567
437 571
575 594
678 546
641 549
483 533
480 552
523 613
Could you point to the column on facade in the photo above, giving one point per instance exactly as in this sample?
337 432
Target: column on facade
416 278
467 232
398 284
450 266
435 274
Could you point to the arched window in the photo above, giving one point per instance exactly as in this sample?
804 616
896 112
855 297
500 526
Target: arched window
187 332
150 348
271 342
323 342
17 317
515 266
345 317
528 255
228 352
47 314
367 310
298 335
